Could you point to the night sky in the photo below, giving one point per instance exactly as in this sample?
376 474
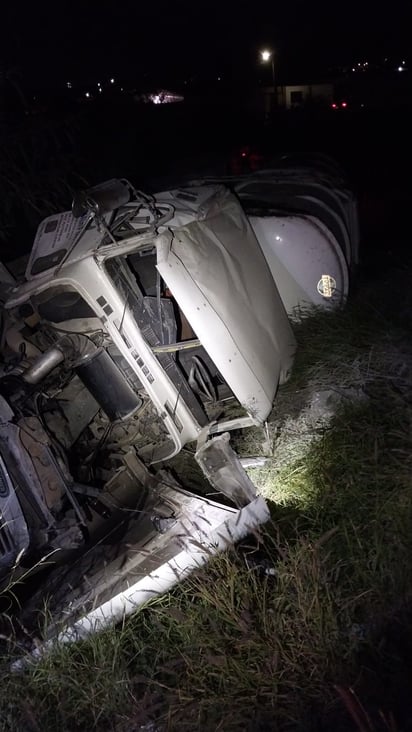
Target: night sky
69 39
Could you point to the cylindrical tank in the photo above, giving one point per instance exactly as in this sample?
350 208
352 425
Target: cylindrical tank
108 385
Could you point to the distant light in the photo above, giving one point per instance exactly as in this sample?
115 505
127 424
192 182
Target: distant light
344 104
334 106
278 238
69 84
98 83
244 155
219 78
353 69
266 55
359 64
164 97
100 90
366 63
112 81
87 95
403 63
401 68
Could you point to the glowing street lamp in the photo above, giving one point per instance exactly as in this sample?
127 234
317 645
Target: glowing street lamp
269 57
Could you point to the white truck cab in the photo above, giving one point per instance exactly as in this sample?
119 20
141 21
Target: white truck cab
191 258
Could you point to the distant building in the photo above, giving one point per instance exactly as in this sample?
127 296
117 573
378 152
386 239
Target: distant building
371 89
298 96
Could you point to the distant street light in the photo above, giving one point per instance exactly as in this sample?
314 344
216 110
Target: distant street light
268 56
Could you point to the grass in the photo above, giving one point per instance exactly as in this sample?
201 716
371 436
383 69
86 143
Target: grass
321 642
38 164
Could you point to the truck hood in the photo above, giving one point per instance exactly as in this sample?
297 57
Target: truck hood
216 270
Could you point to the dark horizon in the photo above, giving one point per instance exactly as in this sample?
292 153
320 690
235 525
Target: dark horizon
74 40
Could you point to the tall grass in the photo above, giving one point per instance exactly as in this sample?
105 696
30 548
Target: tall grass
39 167
305 627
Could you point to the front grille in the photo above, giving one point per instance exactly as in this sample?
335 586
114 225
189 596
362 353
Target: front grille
14 531
6 542
4 487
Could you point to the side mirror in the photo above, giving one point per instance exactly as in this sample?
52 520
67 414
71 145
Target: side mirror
101 199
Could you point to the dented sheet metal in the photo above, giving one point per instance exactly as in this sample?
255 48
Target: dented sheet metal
218 274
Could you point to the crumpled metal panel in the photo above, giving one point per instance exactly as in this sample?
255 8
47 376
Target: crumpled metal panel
218 274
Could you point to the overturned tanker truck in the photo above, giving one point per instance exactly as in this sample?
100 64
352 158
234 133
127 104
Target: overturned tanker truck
145 325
